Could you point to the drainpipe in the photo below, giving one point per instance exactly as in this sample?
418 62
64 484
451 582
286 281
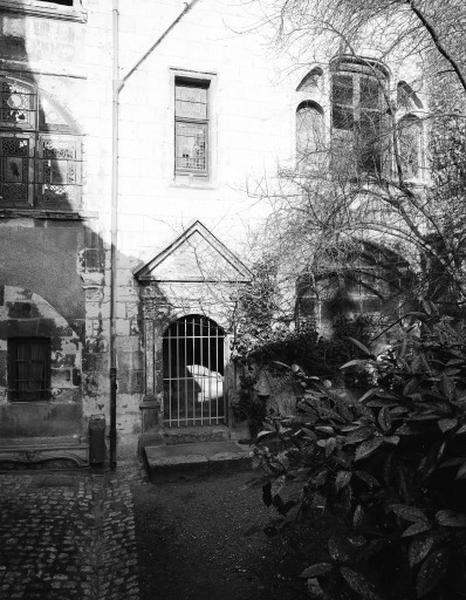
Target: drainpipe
117 85
114 232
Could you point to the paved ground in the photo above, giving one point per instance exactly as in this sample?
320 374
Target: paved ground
66 536
201 538
82 536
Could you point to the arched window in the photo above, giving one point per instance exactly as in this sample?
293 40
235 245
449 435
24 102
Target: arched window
410 146
363 279
193 372
309 133
311 81
406 97
40 151
358 107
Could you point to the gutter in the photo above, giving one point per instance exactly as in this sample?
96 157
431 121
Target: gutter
117 86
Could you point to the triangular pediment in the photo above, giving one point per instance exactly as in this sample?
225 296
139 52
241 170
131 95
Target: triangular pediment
196 255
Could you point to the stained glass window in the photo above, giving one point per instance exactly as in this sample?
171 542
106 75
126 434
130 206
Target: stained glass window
37 169
191 126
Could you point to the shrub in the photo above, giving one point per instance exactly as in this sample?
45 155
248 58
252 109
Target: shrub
390 468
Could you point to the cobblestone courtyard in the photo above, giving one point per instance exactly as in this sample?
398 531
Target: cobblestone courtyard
76 535
66 536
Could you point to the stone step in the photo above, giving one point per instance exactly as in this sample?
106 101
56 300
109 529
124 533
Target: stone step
172 461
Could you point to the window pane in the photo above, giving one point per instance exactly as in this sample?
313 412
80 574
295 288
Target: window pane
14 164
309 133
17 105
191 141
409 140
369 141
342 118
191 101
370 90
342 89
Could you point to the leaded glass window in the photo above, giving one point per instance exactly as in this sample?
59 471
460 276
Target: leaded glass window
357 114
37 169
16 173
191 126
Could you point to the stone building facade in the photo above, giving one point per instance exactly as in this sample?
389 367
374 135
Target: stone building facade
162 121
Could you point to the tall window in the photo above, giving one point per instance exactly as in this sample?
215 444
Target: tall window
358 106
28 369
191 126
309 134
410 146
40 155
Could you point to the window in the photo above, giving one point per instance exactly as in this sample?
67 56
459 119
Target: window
28 369
358 103
40 156
410 146
60 2
193 372
309 133
191 126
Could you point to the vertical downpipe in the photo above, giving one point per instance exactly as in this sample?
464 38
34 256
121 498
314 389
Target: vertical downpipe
114 233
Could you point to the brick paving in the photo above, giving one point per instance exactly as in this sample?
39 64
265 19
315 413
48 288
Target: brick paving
67 536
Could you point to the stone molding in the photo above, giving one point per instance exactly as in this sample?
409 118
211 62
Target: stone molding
31 7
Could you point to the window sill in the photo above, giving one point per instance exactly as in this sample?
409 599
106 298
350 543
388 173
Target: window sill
191 181
44 9
57 215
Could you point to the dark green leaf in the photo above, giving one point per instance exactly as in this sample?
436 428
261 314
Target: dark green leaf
452 462
359 584
409 513
450 518
405 430
359 435
330 447
317 569
392 439
367 478
432 571
263 434
461 430
351 363
358 516
447 424
419 527
384 419
368 394
461 474
325 429
368 447
419 548
361 346
342 479
337 550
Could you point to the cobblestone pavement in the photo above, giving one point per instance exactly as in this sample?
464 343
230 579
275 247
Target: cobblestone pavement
66 536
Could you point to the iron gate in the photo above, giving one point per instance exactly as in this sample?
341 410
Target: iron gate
193 372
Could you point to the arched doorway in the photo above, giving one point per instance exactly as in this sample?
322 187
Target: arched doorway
193 372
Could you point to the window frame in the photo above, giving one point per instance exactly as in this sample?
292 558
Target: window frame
359 69
202 83
12 378
38 133
47 8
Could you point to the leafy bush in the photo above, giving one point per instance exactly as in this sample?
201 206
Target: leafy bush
390 468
